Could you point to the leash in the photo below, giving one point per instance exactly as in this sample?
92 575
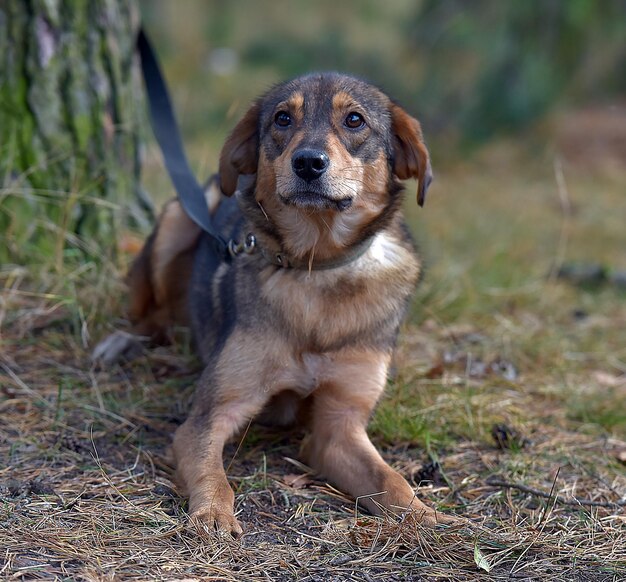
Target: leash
165 128
190 193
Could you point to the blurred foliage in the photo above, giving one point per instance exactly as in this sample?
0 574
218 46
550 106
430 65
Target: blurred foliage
468 70
498 65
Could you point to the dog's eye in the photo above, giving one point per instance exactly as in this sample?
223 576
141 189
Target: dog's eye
354 120
282 119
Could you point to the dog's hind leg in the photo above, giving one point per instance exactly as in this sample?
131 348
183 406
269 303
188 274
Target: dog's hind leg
158 284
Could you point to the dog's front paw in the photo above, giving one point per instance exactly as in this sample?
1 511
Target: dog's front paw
419 512
215 510
217 519
118 346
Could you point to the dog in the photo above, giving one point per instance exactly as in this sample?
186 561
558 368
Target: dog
300 326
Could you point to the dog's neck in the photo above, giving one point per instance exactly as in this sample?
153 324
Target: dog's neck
315 239
281 259
314 235
303 239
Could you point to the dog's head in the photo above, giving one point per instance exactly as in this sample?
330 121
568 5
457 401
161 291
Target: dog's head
326 144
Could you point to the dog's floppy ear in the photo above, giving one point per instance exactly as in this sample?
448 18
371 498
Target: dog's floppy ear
410 156
241 151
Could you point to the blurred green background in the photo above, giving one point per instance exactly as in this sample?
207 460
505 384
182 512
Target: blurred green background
469 70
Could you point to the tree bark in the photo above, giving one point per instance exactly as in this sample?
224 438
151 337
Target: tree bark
71 107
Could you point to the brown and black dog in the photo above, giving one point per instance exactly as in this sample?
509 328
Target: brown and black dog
301 327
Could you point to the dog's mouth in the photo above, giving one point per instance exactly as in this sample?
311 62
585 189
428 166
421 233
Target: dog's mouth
316 201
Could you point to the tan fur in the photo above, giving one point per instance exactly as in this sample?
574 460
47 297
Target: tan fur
412 159
177 235
308 346
350 312
239 152
159 278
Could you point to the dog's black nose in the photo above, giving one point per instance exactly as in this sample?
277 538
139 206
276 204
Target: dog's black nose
309 164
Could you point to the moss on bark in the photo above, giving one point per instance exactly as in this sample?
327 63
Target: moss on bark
71 109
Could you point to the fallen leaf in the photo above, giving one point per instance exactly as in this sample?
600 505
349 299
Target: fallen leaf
480 559
436 371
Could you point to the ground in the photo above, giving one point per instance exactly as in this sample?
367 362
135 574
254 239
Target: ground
507 407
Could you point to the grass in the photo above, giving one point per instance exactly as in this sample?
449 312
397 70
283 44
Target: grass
507 407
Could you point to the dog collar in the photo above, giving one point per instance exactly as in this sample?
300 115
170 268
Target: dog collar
250 245
283 260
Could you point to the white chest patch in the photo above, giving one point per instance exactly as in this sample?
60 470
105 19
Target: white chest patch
385 251
377 250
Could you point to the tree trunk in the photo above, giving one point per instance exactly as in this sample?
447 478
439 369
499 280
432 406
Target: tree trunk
71 107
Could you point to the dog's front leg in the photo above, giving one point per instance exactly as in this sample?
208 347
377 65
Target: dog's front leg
198 450
339 448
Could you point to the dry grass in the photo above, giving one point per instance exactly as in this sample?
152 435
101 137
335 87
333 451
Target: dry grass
508 409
